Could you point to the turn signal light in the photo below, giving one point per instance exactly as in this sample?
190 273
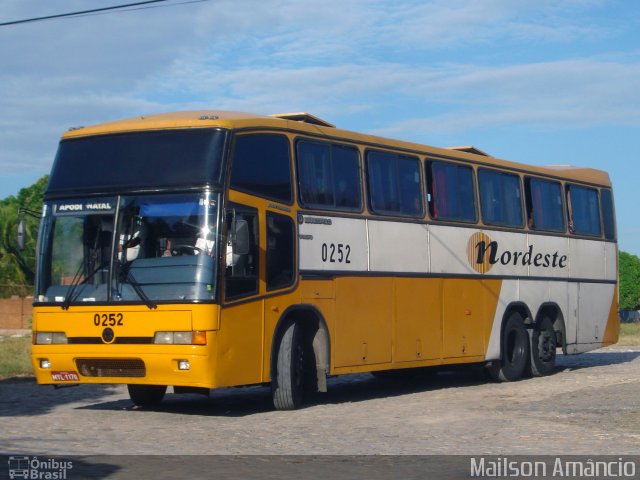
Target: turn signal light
199 337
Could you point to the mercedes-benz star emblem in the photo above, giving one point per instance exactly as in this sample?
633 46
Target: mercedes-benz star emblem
108 335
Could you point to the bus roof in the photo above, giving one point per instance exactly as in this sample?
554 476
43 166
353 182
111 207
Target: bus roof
310 124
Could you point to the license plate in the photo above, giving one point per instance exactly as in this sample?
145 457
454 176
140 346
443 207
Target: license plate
65 376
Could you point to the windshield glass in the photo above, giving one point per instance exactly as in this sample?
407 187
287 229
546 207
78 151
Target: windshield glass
140 160
141 249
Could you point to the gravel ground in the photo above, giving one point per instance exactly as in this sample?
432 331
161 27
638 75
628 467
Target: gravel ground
590 407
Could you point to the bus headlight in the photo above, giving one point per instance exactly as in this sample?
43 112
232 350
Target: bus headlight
180 338
50 338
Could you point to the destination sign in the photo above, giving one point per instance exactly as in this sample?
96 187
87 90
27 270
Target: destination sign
84 207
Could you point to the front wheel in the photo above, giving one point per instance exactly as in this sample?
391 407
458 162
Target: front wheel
288 388
146 395
543 348
514 351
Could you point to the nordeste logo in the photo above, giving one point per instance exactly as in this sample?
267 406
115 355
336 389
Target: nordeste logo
483 253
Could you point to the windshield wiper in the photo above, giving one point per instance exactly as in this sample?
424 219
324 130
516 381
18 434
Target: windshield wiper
76 282
138 289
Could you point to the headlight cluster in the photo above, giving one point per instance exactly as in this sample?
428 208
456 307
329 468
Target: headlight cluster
49 338
180 338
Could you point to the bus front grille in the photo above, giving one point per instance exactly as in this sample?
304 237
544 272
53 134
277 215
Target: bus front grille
111 367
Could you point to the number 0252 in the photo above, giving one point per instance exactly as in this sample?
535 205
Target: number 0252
108 319
336 253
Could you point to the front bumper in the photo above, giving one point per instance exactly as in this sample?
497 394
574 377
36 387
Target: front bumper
130 364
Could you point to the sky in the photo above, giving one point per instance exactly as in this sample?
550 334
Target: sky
539 82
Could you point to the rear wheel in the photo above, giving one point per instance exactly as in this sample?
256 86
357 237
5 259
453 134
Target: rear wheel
146 395
514 351
543 348
288 389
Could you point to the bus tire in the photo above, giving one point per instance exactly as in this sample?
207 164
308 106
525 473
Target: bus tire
543 348
288 389
514 351
146 395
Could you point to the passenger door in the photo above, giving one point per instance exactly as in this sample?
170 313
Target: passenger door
260 182
239 345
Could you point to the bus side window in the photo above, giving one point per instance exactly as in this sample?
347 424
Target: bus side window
261 166
280 251
584 211
500 198
394 184
328 176
241 267
452 192
544 204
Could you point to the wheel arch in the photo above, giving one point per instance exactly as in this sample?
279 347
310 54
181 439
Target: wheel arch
494 345
315 332
520 308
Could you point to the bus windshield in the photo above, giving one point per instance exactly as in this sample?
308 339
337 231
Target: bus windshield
138 161
139 248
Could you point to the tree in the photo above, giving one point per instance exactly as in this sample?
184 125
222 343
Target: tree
18 267
629 266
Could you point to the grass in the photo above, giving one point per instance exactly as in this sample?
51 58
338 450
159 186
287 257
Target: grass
15 352
629 334
15 357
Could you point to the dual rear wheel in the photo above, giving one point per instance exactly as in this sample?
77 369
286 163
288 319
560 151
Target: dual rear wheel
522 351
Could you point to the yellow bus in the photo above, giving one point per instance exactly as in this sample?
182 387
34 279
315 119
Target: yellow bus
200 250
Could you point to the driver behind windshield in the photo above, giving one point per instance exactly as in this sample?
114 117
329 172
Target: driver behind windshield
133 240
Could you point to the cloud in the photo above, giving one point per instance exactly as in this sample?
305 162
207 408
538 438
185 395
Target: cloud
576 92
396 68
569 93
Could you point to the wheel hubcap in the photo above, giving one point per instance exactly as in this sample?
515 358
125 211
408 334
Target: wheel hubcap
546 346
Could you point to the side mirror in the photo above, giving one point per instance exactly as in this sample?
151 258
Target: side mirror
240 237
21 234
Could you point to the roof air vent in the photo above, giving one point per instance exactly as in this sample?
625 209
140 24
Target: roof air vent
470 149
303 117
